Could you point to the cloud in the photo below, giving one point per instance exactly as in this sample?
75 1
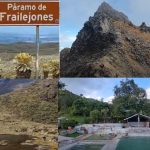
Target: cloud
92 94
66 40
96 88
148 93
109 99
83 86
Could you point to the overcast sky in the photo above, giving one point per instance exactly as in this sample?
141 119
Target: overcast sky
100 87
74 13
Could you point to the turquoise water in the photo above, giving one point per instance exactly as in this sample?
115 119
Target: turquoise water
87 147
134 143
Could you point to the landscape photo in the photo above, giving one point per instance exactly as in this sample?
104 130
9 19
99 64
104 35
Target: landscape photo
104 114
18 52
28 119
105 39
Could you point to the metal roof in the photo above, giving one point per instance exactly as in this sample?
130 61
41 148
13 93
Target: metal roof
137 115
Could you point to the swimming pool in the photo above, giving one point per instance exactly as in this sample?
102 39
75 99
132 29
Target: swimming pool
87 147
134 143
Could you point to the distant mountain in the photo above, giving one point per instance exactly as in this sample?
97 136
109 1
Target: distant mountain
6 38
45 48
109 45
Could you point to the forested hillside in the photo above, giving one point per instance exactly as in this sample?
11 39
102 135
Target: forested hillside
129 99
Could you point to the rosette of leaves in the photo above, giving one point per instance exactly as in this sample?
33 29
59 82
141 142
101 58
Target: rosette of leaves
23 68
46 70
54 68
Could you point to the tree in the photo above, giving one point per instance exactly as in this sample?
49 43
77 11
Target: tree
129 99
65 123
81 95
95 116
104 113
128 87
61 85
78 107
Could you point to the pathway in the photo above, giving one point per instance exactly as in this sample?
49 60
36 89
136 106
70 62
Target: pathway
112 145
72 141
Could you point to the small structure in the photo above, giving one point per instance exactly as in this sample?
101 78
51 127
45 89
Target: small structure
60 119
138 120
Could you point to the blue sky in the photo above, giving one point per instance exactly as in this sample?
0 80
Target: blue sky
44 30
100 87
74 13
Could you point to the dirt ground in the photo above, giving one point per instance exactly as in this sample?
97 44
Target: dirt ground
45 135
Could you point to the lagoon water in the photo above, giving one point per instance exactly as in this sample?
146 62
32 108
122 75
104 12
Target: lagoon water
14 142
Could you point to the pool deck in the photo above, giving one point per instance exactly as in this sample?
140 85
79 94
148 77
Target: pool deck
112 145
67 146
74 141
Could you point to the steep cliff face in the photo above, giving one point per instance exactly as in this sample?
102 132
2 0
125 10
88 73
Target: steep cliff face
108 45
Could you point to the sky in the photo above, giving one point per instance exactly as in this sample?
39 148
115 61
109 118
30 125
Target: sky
98 88
44 30
74 13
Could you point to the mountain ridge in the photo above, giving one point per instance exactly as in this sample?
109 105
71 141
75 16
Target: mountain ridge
108 45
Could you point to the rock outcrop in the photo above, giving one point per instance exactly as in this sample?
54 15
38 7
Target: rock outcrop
144 27
108 45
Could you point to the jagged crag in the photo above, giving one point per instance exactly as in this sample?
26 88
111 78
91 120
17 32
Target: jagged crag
109 45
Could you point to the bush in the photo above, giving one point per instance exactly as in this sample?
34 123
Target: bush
87 120
68 123
95 116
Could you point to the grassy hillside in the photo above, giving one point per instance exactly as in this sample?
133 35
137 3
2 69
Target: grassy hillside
37 102
13 49
29 108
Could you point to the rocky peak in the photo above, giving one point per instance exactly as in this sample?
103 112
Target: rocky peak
105 10
144 27
98 32
108 45
143 24
104 7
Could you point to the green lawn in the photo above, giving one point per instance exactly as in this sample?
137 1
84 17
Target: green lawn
99 137
134 143
79 119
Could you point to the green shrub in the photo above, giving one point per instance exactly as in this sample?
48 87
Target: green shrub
68 123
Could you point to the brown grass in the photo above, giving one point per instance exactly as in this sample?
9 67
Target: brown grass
134 30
